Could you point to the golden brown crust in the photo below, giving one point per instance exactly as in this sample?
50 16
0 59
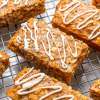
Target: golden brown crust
12 13
4 61
47 81
42 60
71 28
95 90
96 3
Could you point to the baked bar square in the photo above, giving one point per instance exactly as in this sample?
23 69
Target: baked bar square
80 19
18 11
31 84
51 49
95 90
4 61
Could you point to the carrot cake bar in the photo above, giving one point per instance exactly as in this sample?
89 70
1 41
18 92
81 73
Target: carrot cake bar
32 84
80 19
4 61
53 50
95 90
17 11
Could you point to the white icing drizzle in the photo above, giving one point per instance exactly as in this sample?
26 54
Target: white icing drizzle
63 41
31 33
73 5
4 3
16 2
35 35
64 65
19 82
69 97
28 82
75 54
48 52
26 41
55 88
68 12
93 35
85 22
39 77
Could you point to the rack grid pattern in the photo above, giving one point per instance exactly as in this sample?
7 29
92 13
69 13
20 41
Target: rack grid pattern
88 71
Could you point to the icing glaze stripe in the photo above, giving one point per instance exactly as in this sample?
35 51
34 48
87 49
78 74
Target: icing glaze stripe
4 3
64 65
30 81
85 22
69 97
16 2
19 82
24 25
93 35
68 8
72 4
75 54
48 40
27 83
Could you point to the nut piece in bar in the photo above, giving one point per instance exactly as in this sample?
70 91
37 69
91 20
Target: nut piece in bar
4 61
95 90
79 19
31 84
52 50
18 11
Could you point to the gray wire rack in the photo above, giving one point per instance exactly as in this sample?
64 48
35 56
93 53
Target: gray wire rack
88 71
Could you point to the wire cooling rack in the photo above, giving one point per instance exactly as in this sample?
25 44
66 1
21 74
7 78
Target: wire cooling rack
88 71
